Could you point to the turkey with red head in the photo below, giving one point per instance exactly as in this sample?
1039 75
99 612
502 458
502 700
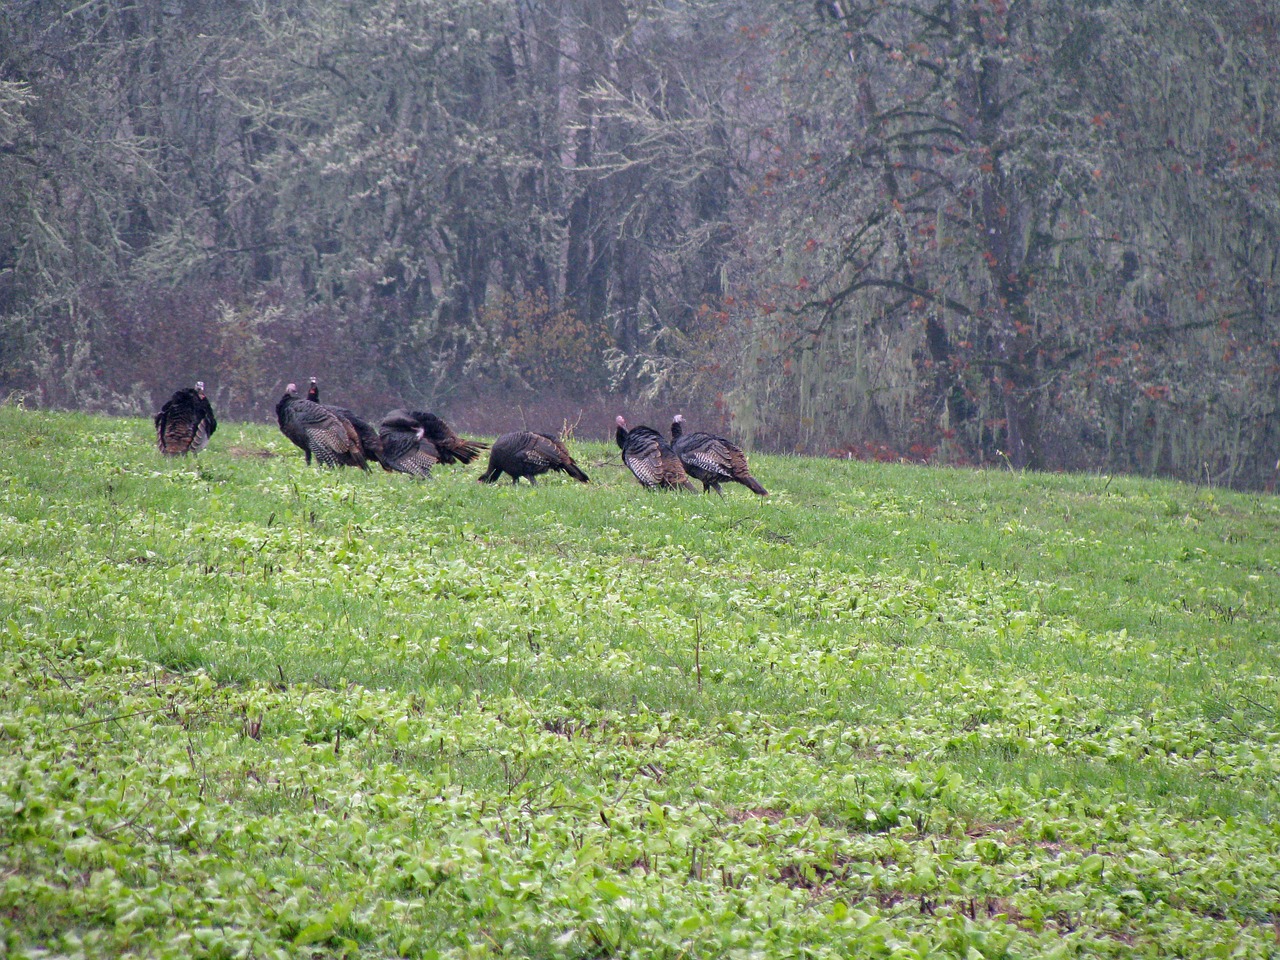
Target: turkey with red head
650 458
185 422
370 444
317 431
712 459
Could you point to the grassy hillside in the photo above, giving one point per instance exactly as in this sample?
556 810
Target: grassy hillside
253 709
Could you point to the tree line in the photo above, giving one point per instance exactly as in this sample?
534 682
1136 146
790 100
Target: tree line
1040 233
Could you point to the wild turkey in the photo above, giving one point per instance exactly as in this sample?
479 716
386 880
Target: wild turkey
185 422
370 445
712 459
525 454
405 448
316 430
450 447
650 458
414 441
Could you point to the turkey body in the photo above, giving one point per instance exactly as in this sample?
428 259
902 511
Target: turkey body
413 441
712 459
370 444
405 448
185 422
526 454
318 431
451 447
650 458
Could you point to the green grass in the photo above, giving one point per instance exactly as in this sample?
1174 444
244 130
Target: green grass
253 709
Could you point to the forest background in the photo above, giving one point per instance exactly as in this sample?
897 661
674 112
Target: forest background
1041 233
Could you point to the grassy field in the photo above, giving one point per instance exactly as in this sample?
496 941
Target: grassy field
250 709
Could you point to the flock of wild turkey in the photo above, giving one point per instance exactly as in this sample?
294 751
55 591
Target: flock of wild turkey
412 441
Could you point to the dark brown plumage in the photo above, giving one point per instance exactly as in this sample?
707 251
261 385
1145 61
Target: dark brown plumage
185 422
450 447
413 441
650 458
712 459
525 454
370 444
316 431
405 448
